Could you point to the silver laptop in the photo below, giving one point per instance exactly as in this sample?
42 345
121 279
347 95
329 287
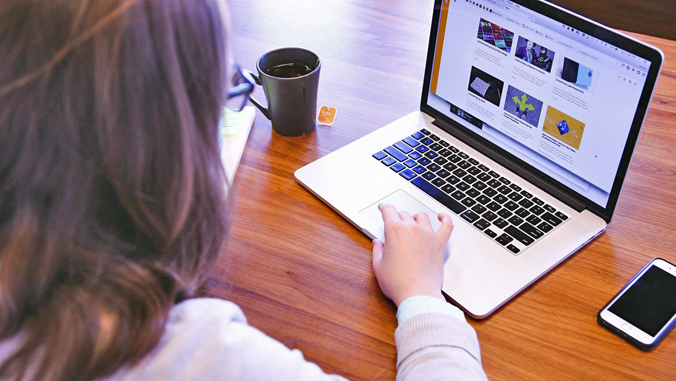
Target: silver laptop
529 116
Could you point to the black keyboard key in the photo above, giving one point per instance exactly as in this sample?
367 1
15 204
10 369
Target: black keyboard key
551 219
403 147
526 194
473 170
545 227
484 168
438 182
396 153
444 143
533 219
419 169
490 192
459 172
500 199
478 208
490 216
471 192
515 188
494 174
397 167
513 248
531 230
519 235
440 161
411 142
515 196
490 233
511 205
504 213
425 132
479 185
500 223
429 175
505 181
463 155
526 203
504 239
537 201
470 216
473 161
380 155
415 155
438 195
493 183
407 174
537 210
561 216
450 167
463 186
484 177
426 141
435 138
515 220
452 179
469 179
504 189
523 213
458 195
549 208
435 147
482 224
483 200
433 167
443 173
494 206
454 158
424 161
453 149
444 152
464 165
448 188
468 202
431 154
388 161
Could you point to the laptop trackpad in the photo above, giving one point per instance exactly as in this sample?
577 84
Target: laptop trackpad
403 202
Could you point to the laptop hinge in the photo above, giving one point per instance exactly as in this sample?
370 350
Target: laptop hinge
507 163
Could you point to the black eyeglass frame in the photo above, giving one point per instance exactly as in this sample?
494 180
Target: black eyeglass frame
243 85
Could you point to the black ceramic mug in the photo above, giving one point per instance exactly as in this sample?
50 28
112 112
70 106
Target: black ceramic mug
290 78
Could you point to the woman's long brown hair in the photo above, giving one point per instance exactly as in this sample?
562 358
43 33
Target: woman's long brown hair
112 199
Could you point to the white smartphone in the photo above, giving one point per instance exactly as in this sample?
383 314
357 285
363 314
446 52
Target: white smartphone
644 311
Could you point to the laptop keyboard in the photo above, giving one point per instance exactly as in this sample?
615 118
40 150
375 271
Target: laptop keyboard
508 214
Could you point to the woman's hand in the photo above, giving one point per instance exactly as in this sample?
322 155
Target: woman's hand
411 262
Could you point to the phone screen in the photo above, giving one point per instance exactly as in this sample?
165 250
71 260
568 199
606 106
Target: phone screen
650 302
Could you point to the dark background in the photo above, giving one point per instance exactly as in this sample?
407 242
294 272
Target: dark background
652 17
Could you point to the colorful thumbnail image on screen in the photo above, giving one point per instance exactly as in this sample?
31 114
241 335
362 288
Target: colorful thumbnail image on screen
495 35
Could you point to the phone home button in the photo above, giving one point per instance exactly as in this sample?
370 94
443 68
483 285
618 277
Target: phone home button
626 327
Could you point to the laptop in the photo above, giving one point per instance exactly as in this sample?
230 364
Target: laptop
528 119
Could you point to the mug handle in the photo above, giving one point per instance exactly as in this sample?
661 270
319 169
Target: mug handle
258 105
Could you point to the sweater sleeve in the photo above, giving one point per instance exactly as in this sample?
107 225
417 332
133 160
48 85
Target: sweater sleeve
435 346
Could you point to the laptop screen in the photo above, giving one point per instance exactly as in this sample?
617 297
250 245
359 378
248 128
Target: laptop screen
550 90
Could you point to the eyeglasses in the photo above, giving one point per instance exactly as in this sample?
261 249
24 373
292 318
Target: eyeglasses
243 84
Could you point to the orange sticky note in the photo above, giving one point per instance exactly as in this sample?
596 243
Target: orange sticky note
327 115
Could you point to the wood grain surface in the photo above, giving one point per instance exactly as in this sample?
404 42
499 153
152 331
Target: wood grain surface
302 274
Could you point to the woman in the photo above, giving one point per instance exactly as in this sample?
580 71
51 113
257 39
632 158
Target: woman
112 204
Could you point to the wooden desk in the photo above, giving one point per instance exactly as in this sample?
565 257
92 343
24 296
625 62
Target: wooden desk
303 275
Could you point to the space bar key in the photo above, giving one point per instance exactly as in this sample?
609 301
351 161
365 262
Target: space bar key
438 195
